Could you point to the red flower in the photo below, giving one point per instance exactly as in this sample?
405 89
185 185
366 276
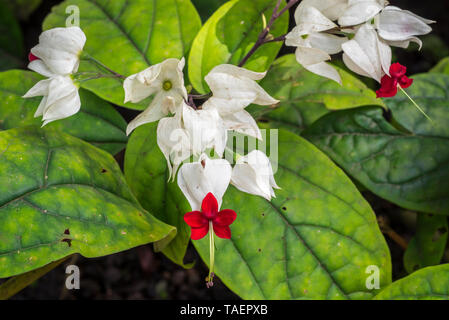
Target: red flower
389 85
32 57
200 221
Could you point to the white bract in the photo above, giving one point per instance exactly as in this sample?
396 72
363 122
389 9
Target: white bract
314 46
61 98
363 29
199 178
190 132
400 27
205 129
166 82
253 174
57 57
234 89
366 54
173 141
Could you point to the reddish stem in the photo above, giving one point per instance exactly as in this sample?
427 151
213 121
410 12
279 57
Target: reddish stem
262 36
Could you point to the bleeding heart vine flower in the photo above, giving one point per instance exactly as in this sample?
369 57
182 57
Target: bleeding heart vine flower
58 51
391 83
204 183
199 178
363 29
210 220
233 89
397 80
166 82
57 57
253 174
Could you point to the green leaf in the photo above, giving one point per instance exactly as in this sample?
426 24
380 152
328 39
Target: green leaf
230 34
147 174
404 160
313 241
207 7
426 248
442 67
431 283
59 196
305 97
11 40
23 8
128 36
97 122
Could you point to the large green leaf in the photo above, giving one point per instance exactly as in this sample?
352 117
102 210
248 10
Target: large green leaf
59 196
431 283
230 34
147 174
97 122
11 40
313 241
442 67
207 7
305 96
426 248
404 160
129 36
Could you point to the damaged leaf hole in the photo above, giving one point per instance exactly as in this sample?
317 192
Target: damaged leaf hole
67 240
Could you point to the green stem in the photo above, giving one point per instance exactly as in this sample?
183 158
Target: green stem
210 277
415 104
87 56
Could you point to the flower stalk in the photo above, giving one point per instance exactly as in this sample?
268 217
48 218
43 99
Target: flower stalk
210 277
88 57
265 32
414 103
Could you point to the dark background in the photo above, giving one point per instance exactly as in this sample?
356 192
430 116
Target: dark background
140 273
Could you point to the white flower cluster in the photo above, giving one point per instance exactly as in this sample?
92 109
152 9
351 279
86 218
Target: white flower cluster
57 57
185 131
363 30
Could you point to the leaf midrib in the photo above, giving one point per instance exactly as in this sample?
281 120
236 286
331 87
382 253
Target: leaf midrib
122 30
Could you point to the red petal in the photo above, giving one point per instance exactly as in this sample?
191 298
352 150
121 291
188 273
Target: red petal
223 232
225 217
397 70
199 233
388 87
32 57
405 82
195 219
209 207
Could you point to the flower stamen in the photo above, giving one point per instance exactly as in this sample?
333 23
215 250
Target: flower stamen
167 85
414 103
